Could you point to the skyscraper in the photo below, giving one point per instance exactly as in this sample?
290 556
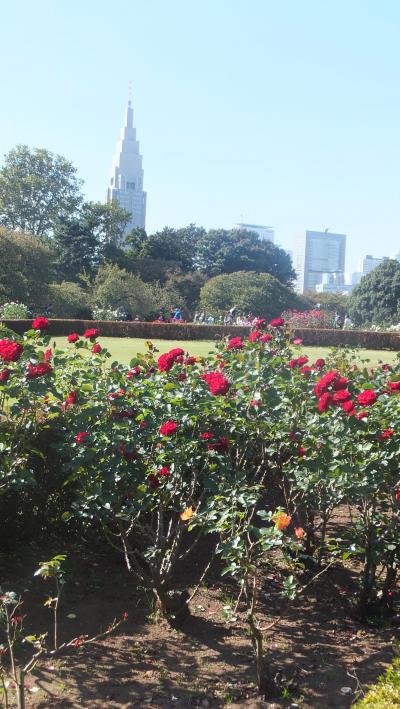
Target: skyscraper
126 179
265 233
316 253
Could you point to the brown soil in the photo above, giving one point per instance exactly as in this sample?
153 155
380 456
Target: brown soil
315 650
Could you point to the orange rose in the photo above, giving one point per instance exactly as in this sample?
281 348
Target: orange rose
299 532
282 520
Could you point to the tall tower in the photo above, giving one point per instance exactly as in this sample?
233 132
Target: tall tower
126 178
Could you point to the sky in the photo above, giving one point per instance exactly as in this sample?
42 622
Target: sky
278 113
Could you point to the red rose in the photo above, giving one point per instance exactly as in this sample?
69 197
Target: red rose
341 396
38 370
91 333
4 374
217 383
394 386
40 324
181 377
298 341
324 402
254 403
74 337
266 338
319 363
220 445
190 361
10 350
168 428
260 322
48 355
153 481
143 424
348 405
292 363
165 362
325 382
301 451
164 472
133 372
235 343
72 398
340 383
367 397
96 349
387 433
81 437
277 322
176 352
398 495
305 370
362 415
254 336
206 436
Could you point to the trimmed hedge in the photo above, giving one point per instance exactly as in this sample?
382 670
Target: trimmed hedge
190 331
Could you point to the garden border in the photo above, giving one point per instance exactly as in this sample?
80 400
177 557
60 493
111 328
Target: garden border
367 339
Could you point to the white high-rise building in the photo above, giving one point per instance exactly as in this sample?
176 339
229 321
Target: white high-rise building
265 233
318 253
367 264
126 178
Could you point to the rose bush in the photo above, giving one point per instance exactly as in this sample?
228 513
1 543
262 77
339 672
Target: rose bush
256 446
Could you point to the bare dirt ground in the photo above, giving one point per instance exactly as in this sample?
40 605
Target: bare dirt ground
316 650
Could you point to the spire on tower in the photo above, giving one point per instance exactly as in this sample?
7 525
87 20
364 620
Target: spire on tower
130 93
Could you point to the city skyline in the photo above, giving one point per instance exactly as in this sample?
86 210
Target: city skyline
284 115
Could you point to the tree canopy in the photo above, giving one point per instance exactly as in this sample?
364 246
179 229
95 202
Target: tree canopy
258 293
37 188
376 299
26 267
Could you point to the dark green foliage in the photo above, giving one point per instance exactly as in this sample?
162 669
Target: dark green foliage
36 189
26 266
376 299
258 293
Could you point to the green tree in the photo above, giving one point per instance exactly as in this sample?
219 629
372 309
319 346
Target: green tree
68 300
334 302
116 288
26 267
376 298
257 293
222 251
173 245
36 189
87 239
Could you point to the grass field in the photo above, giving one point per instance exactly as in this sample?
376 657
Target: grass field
123 349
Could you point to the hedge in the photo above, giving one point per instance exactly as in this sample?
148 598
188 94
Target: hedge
386 693
191 331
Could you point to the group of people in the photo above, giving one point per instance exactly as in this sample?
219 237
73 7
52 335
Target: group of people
235 317
175 315
342 323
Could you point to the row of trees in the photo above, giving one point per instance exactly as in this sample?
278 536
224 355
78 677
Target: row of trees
61 252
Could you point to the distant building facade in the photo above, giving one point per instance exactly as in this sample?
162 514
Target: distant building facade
365 265
126 178
317 253
265 233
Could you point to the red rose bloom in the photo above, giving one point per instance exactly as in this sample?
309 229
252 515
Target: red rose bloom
38 370
217 383
340 383
72 398
324 402
10 350
260 322
255 403
81 437
165 362
153 481
168 428
133 372
96 349
254 336
394 386
74 337
235 343
325 382
367 397
181 377
4 374
266 338
298 341
362 415
40 324
277 322
292 363
206 436
91 333
341 396
305 370
348 405
143 424
220 445
164 472
301 451
190 361
176 352
387 433
398 495
48 355
319 363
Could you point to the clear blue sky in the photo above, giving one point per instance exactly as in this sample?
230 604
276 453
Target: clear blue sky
281 113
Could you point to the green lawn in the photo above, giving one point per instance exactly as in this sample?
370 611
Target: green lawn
124 348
